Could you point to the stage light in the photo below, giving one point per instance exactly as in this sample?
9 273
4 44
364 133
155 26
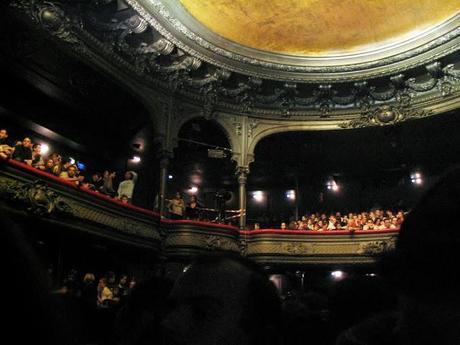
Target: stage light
44 149
338 275
416 178
193 190
258 196
136 159
332 185
290 194
81 166
170 177
371 275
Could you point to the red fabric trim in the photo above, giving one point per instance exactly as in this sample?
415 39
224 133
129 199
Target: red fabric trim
200 223
319 233
101 196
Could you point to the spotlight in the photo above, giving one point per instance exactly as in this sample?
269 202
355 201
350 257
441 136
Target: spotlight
290 194
258 196
44 149
193 190
416 178
136 159
338 275
170 177
332 185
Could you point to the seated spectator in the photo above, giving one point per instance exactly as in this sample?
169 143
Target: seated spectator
126 187
369 225
283 226
292 225
71 175
23 151
124 199
5 146
37 160
49 166
256 226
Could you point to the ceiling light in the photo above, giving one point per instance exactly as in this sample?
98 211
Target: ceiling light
44 149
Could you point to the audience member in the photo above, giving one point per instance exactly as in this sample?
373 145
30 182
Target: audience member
223 300
126 187
71 175
22 151
176 207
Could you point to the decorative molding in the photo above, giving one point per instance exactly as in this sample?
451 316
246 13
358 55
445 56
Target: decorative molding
37 198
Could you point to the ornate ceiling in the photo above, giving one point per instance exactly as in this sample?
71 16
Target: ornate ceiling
316 27
346 63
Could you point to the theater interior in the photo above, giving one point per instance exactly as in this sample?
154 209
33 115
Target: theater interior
230 172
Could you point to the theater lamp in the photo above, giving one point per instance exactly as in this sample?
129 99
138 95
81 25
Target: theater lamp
44 149
416 178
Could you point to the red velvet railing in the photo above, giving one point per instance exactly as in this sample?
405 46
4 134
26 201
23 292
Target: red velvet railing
59 180
309 232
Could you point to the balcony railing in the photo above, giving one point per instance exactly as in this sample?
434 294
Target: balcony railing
27 191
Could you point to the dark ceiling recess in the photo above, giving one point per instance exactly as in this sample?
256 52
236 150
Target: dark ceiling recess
431 144
43 83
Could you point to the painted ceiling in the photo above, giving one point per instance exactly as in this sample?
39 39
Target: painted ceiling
319 27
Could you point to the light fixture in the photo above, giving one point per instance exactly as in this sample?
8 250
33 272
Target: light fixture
71 160
136 159
258 196
44 149
416 178
332 185
338 275
290 194
170 177
193 190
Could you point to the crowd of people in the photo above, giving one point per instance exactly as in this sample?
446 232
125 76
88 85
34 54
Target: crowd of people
108 291
373 220
27 152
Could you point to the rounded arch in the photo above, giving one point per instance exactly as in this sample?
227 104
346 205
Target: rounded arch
183 121
271 129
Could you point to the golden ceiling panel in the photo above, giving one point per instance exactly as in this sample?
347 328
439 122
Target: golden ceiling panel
319 27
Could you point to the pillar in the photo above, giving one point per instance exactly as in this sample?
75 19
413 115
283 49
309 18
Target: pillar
242 176
164 165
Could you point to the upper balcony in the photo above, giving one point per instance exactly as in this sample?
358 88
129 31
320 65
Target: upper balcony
33 193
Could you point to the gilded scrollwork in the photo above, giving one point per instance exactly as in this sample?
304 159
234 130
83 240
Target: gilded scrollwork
36 197
157 58
374 248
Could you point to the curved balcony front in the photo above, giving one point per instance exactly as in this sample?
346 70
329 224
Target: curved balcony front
297 247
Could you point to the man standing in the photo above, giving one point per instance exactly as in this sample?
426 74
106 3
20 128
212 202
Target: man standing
126 187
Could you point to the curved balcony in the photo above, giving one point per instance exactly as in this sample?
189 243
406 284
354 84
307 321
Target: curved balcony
188 238
273 246
33 193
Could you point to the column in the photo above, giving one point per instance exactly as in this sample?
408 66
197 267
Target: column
164 164
242 176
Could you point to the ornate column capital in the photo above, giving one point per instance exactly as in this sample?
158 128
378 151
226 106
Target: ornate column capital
242 174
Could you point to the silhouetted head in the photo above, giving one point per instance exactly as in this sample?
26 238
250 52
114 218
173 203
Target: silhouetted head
427 255
223 300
